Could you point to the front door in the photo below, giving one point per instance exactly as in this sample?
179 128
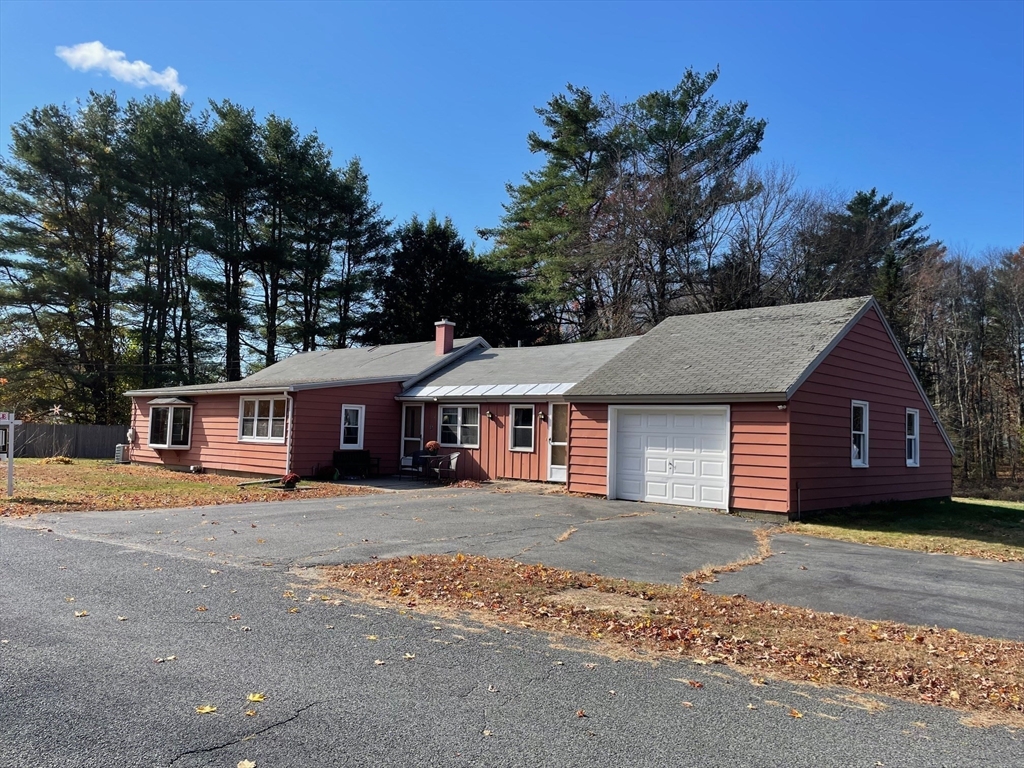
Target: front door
558 442
412 428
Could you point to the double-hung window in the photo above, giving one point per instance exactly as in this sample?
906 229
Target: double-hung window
460 426
170 426
352 419
521 435
859 433
262 419
913 437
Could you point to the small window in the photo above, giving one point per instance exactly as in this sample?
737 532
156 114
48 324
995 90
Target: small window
262 419
460 426
170 427
522 428
352 418
859 434
913 439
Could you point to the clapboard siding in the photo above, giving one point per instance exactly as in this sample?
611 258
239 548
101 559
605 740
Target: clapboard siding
318 425
494 459
588 448
759 464
215 444
864 366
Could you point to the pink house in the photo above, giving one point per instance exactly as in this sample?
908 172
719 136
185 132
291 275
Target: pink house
781 409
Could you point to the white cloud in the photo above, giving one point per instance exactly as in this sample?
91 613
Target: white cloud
95 55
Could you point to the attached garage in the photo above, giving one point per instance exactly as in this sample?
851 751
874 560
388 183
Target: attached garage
671 455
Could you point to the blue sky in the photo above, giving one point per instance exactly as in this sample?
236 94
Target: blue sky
923 100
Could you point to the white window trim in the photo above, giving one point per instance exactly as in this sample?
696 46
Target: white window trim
362 427
458 427
916 460
268 439
166 444
862 463
512 428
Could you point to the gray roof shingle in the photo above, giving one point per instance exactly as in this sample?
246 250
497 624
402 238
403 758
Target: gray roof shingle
325 367
555 364
743 352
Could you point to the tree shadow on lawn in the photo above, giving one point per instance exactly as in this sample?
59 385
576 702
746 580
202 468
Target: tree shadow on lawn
994 522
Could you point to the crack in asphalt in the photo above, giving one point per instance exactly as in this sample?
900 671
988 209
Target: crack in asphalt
240 739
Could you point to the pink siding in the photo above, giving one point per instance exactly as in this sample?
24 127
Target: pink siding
215 443
759 465
588 448
494 459
864 366
318 425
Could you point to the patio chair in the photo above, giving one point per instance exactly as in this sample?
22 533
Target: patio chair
444 469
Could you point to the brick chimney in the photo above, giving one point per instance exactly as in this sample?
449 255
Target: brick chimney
444 337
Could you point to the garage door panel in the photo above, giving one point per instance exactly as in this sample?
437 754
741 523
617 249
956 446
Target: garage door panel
657 442
684 443
684 467
674 457
657 465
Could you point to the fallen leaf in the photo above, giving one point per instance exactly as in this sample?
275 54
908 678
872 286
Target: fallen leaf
201 608
295 609
795 714
686 703
170 658
409 656
80 614
695 684
247 763
751 706
378 662
214 570
581 713
255 697
122 618
234 617
330 626
206 709
251 713
371 637
492 689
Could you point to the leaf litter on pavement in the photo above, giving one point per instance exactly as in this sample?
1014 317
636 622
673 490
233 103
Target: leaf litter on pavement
762 639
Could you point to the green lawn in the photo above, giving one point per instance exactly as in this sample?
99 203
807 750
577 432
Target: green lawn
975 527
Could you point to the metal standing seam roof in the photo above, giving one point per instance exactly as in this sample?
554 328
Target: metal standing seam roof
744 352
505 372
330 367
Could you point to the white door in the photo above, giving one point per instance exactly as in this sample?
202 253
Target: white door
672 455
558 442
412 428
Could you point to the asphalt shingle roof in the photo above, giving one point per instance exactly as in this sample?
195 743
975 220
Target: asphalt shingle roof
397 362
744 352
555 364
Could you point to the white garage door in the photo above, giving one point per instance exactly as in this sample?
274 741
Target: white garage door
673 456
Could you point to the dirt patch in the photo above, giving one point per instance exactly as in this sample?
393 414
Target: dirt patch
920 664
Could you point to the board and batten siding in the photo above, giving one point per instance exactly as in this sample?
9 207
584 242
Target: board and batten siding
317 418
588 448
215 444
864 366
494 459
759 464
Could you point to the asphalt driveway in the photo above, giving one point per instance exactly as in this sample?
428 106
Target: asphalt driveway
645 542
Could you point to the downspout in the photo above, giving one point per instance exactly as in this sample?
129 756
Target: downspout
291 433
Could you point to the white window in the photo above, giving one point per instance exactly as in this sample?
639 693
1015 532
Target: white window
261 419
352 419
859 434
460 426
521 433
170 426
913 440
